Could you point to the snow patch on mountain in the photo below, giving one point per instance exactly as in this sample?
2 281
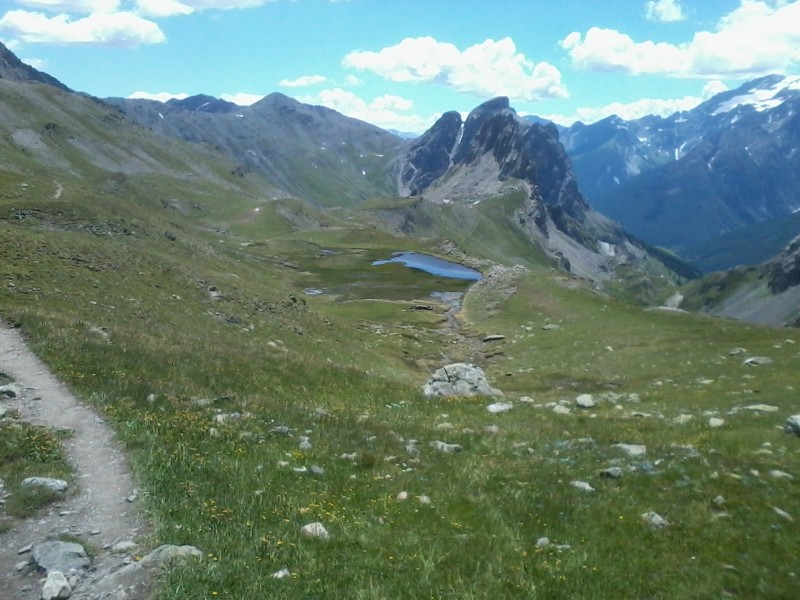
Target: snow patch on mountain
761 98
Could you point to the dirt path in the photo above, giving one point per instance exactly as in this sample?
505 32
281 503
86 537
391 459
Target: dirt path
99 513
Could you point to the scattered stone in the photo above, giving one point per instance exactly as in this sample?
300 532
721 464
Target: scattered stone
782 513
760 408
682 419
612 473
123 546
499 407
445 426
425 500
21 566
792 425
716 422
493 429
11 390
282 574
582 485
778 474
654 520
305 443
279 430
561 410
94 532
736 351
526 400
585 401
402 496
133 497
56 587
543 542
718 501
316 470
445 447
315 530
60 556
758 360
25 549
495 337
54 485
459 379
632 450
551 327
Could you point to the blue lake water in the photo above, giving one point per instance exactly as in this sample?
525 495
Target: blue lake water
432 265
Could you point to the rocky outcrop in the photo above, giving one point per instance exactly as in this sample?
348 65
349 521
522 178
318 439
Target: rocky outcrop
459 379
785 270
13 69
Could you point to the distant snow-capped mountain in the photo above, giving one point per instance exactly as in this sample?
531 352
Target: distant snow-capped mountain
682 181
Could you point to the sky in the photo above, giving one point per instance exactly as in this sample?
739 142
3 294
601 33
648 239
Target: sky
400 64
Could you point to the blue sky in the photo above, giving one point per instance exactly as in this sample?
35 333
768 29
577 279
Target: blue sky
401 63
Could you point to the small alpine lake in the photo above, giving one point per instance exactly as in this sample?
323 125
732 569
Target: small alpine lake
432 265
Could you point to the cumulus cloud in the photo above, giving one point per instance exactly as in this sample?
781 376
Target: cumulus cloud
159 96
120 29
665 11
491 68
242 99
387 111
163 8
304 81
640 108
758 37
79 6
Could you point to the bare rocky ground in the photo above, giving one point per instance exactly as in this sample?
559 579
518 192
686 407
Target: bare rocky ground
98 511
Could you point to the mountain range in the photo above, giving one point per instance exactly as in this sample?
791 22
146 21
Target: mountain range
494 183
703 181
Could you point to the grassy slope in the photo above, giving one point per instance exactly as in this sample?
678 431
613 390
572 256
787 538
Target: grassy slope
361 363
122 311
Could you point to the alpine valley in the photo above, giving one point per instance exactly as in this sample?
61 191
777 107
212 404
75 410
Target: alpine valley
309 418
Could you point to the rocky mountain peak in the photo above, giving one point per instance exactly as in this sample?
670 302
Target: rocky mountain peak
13 69
204 103
785 270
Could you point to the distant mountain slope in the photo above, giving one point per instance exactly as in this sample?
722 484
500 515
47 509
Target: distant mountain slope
311 152
682 181
13 69
767 294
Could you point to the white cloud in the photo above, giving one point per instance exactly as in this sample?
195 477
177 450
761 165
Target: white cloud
80 6
757 38
122 29
304 81
160 96
353 81
492 68
163 8
665 11
36 63
387 111
242 99
640 108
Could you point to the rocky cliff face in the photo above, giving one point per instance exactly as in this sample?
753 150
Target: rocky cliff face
784 271
493 152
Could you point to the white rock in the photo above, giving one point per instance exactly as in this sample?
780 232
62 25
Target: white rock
716 422
561 410
582 485
56 587
499 407
792 425
402 496
54 485
445 447
123 546
424 500
757 360
760 408
654 520
543 542
777 474
782 513
682 419
315 530
282 574
632 450
585 401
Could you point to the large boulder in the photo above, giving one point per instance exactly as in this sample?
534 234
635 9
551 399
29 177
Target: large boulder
60 556
459 379
792 425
